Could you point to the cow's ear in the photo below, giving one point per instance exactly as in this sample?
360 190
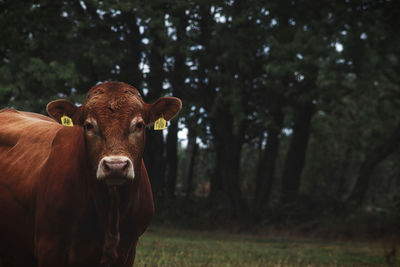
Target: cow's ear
58 108
167 107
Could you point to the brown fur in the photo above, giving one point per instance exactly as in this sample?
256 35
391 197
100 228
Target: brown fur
54 211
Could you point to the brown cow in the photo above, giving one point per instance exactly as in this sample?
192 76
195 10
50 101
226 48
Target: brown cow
77 196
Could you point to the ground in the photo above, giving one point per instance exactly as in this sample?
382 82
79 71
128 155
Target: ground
171 247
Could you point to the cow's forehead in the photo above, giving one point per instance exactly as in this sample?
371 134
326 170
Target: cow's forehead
112 88
113 97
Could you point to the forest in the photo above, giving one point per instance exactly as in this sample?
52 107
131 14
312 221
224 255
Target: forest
289 107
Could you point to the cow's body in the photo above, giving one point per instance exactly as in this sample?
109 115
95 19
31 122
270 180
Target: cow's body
54 212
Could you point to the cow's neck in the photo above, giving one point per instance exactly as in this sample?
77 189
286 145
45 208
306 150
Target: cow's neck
110 209
112 235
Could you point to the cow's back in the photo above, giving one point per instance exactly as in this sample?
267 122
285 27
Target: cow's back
25 144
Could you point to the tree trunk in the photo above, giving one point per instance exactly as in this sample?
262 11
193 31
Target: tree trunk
226 180
176 78
295 158
266 166
378 154
231 179
216 185
341 188
130 72
155 160
225 185
172 157
191 152
154 152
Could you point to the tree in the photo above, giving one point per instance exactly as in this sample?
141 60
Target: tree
309 89
177 73
155 150
32 66
374 65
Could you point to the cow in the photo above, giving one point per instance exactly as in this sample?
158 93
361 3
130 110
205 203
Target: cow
80 195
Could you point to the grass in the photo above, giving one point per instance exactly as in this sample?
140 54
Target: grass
171 247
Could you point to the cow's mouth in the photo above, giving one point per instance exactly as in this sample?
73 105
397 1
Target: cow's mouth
115 181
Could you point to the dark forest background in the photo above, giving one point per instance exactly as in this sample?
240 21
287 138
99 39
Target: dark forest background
291 108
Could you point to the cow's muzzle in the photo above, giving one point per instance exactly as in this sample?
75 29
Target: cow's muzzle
115 170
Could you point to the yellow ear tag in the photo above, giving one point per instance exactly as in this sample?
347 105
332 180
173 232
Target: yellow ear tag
66 121
160 124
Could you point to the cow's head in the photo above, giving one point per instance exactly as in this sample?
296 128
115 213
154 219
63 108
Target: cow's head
114 117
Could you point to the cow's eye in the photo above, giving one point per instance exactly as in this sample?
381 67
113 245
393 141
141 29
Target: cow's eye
89 126
139 125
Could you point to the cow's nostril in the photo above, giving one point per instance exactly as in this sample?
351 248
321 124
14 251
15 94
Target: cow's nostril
125 166
106 167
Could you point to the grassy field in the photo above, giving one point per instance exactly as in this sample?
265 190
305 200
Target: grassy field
166 247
